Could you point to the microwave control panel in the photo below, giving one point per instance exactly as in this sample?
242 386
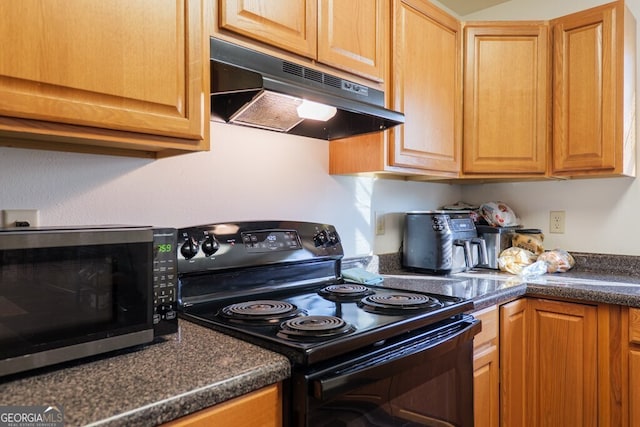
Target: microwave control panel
165 281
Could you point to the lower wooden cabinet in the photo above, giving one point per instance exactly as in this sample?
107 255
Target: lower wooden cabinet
561 364
261 408
634 367
486 403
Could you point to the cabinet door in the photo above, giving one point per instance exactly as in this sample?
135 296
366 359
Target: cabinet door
287 24
548 352
426 88
634 380
634 366
506 98
128 65
353 36
486 370
261 408
594 92
513 363
563 364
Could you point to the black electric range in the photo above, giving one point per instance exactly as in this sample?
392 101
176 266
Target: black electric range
278 284
362 355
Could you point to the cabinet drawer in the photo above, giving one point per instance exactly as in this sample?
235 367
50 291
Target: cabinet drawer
489 318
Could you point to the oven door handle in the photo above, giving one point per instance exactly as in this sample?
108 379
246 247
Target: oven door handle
334 382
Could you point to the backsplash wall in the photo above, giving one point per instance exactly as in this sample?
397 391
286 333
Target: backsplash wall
248 174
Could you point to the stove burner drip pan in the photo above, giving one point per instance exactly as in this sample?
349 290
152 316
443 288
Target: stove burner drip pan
398 302
345 291
260 312
314 328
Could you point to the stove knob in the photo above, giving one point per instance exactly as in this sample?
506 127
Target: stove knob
321 238
210 246
189 248
334 239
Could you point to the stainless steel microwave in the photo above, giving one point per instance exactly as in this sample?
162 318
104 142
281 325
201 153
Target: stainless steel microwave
68 293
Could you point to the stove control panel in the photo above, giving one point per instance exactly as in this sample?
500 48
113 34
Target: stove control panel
252 243
271 240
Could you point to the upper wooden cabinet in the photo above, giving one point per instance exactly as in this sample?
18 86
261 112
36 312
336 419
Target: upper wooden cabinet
594 120
351 35
122 76
425 85
427 88
506 99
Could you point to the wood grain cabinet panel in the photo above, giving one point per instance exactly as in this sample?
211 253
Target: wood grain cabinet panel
288 24
426 85
633 385
79 71
594 114
427 88
549 366
486 371
506 98
349 35
261 408
353 36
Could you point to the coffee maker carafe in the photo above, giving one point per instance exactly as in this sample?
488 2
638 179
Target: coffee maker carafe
441 242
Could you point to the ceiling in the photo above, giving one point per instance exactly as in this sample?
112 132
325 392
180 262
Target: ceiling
464 7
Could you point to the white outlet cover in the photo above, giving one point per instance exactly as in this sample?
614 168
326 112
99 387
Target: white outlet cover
11 216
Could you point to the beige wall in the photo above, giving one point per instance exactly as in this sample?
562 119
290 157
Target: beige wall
248 175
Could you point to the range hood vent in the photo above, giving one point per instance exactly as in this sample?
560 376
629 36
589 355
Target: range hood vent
251 88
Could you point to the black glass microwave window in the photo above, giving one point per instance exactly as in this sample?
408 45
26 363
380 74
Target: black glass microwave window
69 295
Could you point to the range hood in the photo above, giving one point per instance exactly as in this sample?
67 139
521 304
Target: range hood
253 89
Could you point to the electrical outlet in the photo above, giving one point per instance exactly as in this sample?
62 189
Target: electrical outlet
556 222
379 220
20 217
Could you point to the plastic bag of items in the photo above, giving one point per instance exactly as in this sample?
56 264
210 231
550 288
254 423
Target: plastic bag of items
514 259
523 262
557 260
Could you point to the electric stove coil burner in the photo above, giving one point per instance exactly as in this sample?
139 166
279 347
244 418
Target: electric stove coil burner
314 327
345 291
398 302
260 311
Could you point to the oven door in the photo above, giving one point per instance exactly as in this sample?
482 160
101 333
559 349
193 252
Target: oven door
424 380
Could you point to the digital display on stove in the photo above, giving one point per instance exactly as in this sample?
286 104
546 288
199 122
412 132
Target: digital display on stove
271 240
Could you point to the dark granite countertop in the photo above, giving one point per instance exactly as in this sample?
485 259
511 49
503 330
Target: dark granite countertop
191 370
488 287
597 278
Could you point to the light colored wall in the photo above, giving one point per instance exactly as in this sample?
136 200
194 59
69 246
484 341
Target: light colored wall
249 174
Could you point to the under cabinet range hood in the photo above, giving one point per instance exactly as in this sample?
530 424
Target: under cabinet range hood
253 89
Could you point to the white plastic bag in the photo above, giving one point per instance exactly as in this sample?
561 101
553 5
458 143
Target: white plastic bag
513 260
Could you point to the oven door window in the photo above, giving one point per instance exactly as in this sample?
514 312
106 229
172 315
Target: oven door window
57 296
431 387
